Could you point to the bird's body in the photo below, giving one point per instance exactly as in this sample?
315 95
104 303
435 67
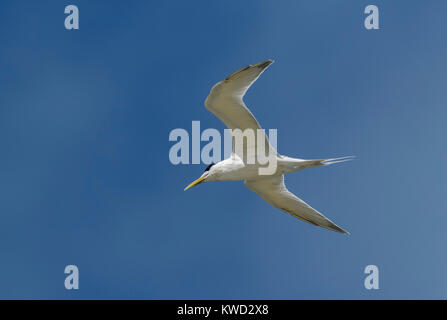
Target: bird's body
233 168
226 102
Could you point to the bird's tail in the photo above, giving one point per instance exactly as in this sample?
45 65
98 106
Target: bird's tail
326 162
303 164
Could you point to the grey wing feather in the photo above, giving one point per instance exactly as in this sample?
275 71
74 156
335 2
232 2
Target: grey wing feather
225 101
274 191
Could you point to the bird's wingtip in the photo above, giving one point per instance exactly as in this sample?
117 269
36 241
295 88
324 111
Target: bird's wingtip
265 63
336 228
341 230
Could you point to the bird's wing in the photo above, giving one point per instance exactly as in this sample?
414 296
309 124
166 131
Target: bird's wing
273 190
225 101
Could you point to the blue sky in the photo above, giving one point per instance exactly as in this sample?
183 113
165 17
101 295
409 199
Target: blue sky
85 117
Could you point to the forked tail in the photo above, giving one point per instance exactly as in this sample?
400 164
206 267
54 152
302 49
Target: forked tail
299 164
326 162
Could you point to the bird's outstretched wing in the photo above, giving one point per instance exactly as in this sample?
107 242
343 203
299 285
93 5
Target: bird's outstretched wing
225 101
274 191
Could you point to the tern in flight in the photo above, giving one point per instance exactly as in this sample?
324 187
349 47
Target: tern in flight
225 101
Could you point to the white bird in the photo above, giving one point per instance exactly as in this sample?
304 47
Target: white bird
226 102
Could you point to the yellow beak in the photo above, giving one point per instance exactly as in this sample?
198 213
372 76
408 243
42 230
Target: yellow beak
195 182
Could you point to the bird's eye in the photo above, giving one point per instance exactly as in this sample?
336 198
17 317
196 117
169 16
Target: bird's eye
209 167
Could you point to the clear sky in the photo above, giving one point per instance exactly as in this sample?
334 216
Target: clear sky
85 177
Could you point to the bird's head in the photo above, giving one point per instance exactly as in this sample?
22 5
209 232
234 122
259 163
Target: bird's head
207 174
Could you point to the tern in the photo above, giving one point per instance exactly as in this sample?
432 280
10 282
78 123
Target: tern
225 101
